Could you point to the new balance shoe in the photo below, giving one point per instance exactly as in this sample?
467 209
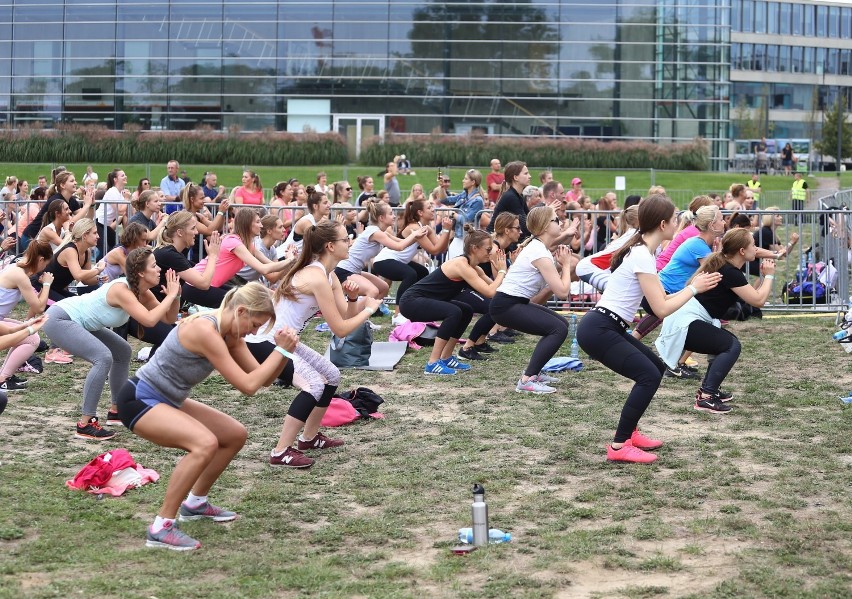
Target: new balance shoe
438 368
291 458
629 453
320 441
707 402
205 511
113 419
171 537
639 440
453 362
91 429
680 373
470 354
485 348
546 379
533 386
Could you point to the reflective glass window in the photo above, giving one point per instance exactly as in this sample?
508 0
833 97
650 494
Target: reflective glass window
822 20
809 19
748 16
784 58
784 12
833 23
772 10
798 19
796 59
759 17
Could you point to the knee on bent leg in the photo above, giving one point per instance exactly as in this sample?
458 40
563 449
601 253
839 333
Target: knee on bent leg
204 446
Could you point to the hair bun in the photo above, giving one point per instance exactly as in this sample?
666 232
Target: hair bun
310 189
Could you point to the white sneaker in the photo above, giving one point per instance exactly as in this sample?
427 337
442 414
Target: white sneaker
398 319
533 386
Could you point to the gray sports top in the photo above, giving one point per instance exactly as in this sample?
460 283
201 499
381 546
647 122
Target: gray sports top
174 370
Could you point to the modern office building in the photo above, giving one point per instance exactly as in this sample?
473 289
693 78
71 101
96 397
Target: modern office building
789 60
661 70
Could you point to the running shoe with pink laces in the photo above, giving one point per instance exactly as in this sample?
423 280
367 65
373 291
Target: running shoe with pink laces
628 453
204 511
171 537
642 442
57 356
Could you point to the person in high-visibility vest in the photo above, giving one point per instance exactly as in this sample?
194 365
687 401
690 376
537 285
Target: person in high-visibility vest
799 193
754 186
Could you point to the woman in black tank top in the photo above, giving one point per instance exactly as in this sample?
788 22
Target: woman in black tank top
435 298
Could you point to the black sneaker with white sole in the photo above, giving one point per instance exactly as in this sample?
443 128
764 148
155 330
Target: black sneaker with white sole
485 348
14 383
680 373
710 402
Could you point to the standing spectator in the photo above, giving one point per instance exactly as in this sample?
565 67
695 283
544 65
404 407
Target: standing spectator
494 181
144 185
392 184
517 178
171 186
185 178
365 184
799 193
787 158
322 185
545 177
468 205
107 217
576 192
442 192
404 166
251 191
211 191
90 175
754 186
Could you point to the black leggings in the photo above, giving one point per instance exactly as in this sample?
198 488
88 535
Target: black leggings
518 313
209 298
480 305
704 338
262 350
454 315
608 343
406 274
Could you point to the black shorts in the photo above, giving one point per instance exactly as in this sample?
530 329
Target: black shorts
135 399
342 274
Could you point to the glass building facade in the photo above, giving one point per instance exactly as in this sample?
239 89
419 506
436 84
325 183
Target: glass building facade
789 60
640 69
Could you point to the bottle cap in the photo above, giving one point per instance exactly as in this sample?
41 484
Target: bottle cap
478 489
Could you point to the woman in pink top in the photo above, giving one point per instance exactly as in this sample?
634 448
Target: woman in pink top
251 192
687 232
237 250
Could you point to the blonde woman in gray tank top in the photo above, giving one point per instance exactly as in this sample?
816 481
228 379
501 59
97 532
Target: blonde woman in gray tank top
155 404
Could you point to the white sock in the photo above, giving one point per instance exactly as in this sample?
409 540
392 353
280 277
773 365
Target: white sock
302 438
193 501
278 453
160 522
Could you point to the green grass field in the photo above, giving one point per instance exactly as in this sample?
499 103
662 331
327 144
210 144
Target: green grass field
597 181
752 504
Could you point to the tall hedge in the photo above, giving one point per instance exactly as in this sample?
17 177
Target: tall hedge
441 150
85 143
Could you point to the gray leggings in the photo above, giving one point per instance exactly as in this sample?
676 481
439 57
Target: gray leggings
315 370
108 353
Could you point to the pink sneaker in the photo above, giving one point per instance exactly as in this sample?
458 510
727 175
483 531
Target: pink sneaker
57 356
640 441
628 453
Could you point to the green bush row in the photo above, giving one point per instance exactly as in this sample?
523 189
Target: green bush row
93 144
439 150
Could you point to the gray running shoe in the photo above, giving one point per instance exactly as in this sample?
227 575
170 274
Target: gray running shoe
171 537
205 510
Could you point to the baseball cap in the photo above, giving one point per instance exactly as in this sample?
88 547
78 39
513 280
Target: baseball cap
576 181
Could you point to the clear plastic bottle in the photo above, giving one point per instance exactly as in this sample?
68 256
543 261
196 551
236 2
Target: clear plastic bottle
495 535
575 348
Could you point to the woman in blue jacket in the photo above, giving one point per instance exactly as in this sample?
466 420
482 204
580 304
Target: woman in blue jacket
468 205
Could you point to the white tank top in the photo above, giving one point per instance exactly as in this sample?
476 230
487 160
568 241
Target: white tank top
405 255
293 313
290 238
362 251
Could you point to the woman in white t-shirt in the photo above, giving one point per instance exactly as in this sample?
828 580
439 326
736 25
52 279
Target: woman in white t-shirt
533 268
603 331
